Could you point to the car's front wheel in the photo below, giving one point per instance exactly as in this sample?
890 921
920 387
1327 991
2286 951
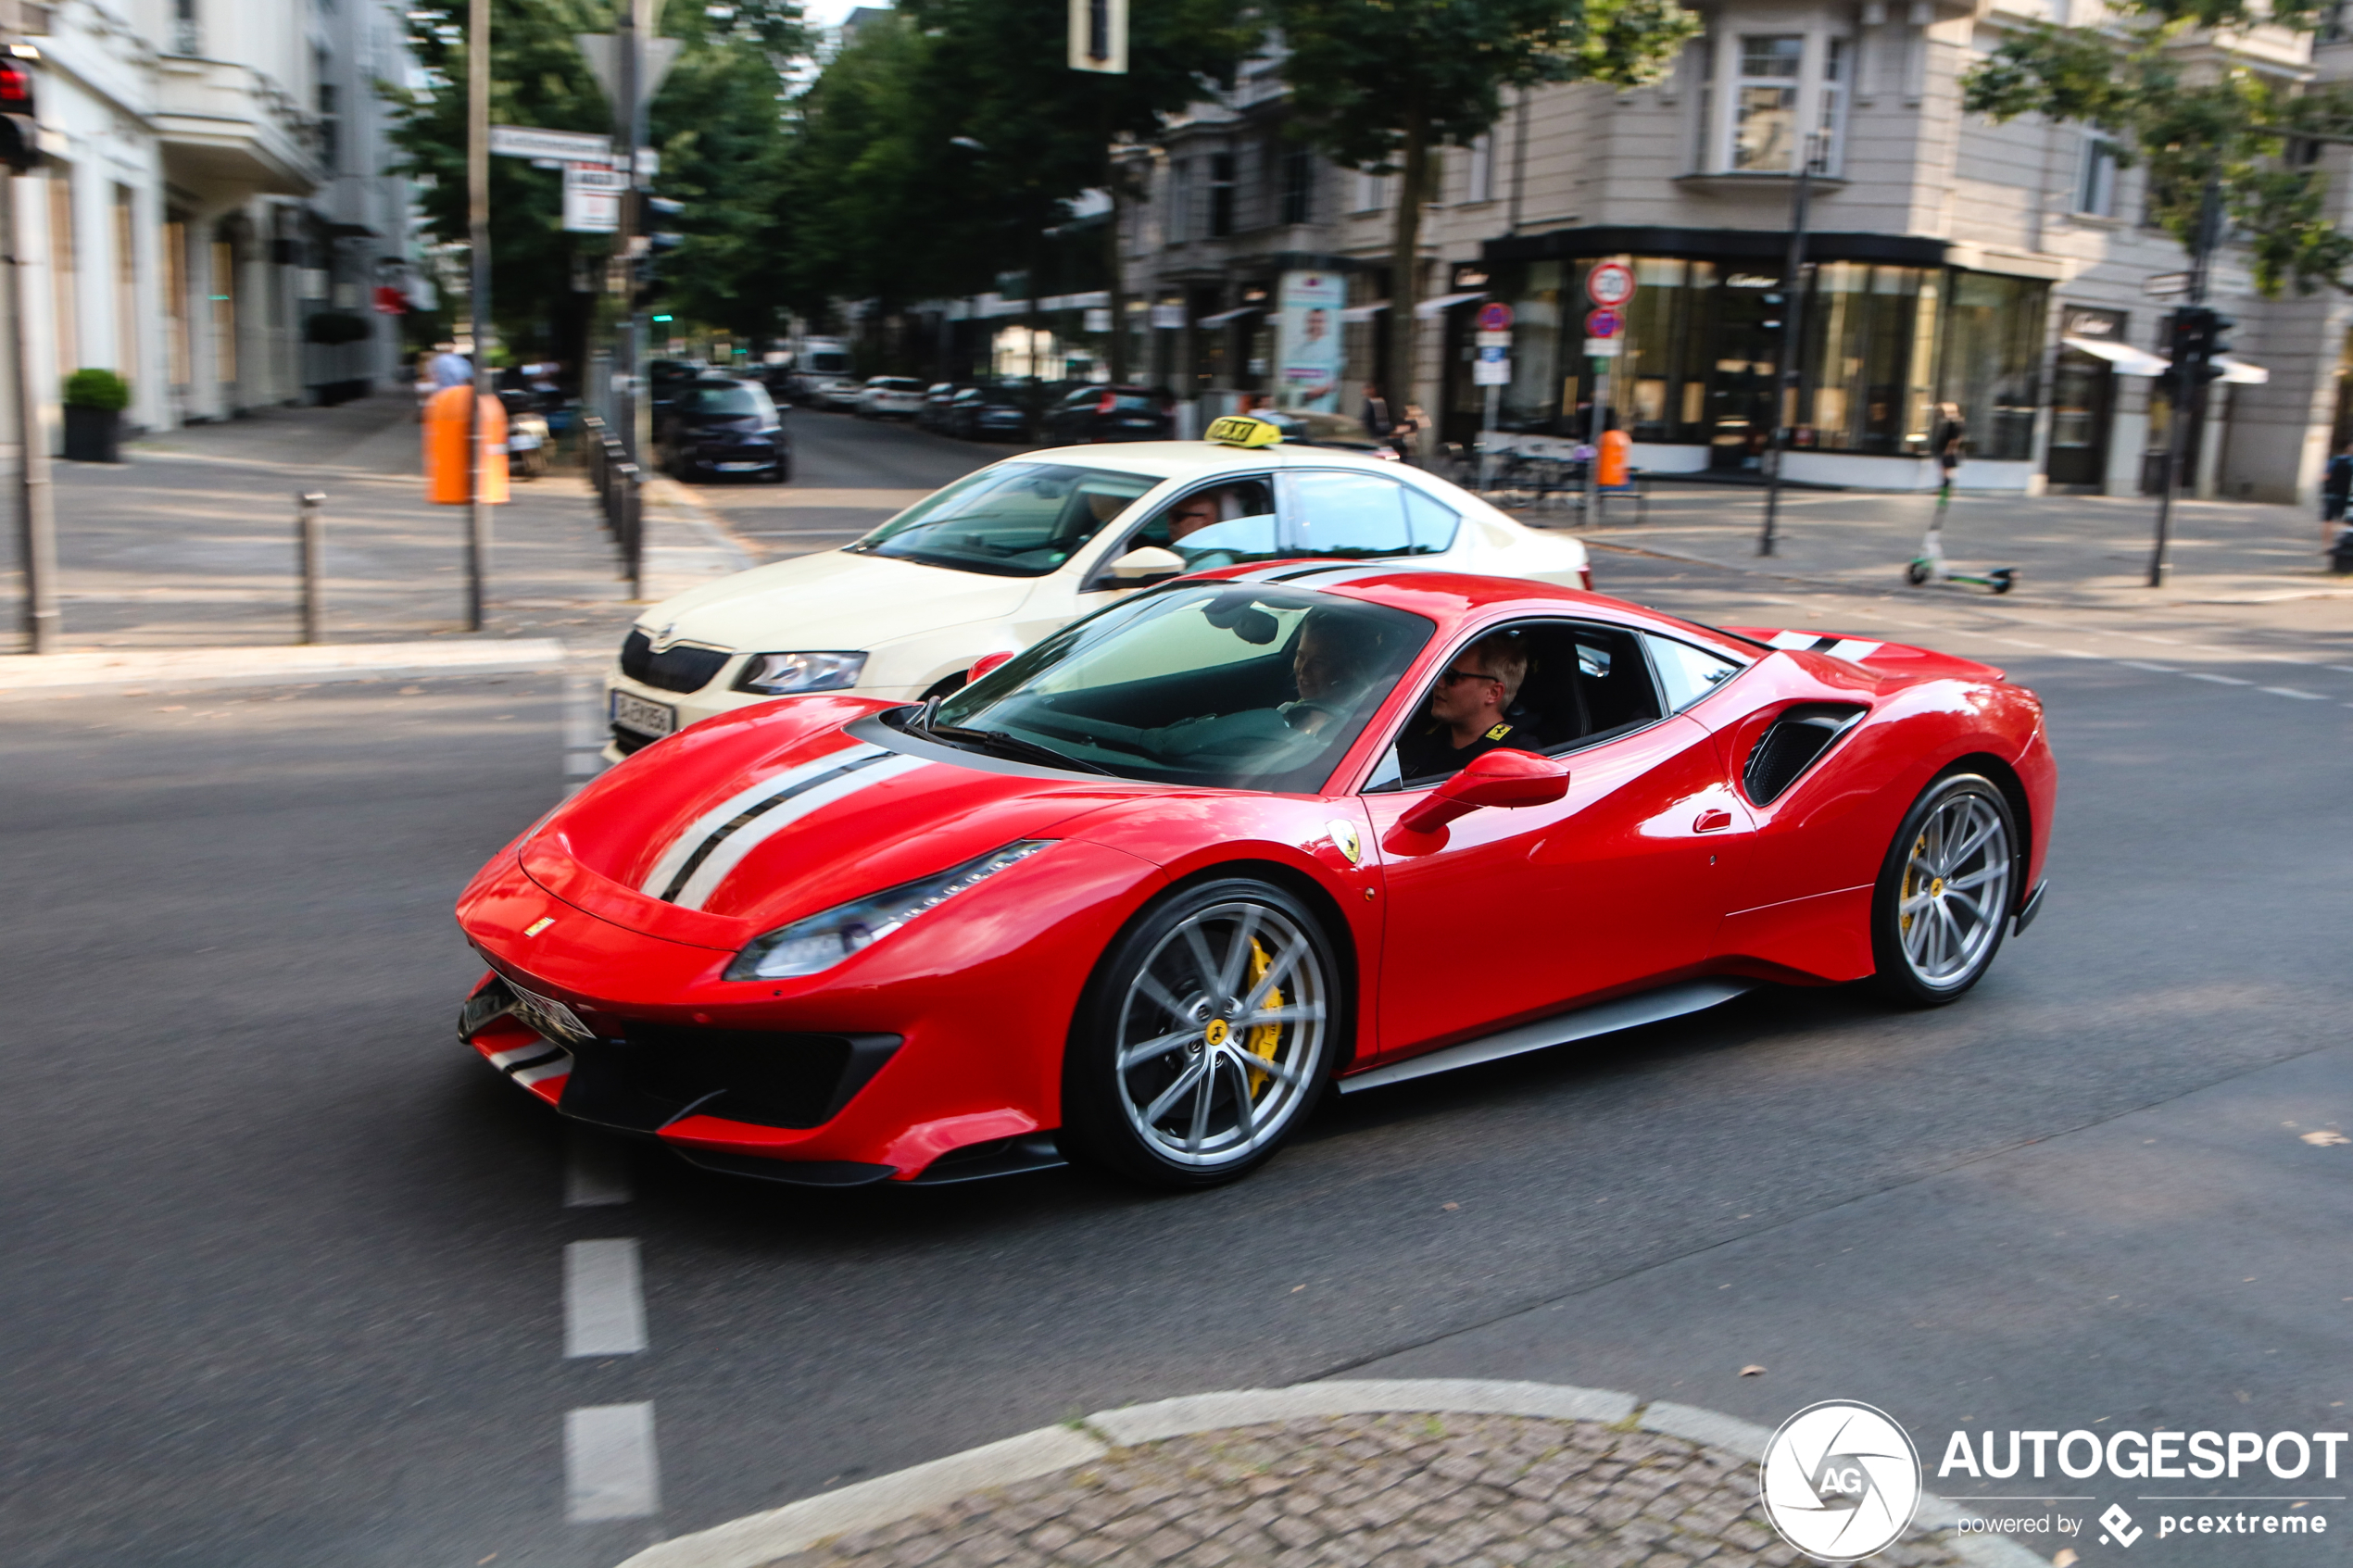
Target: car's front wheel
1206 1036
1946 891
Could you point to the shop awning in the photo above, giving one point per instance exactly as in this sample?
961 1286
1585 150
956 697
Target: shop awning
1446 302
2127 360
1224 316
1364 312
2238 372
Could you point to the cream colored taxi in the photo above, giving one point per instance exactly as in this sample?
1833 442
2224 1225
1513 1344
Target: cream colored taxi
1007 554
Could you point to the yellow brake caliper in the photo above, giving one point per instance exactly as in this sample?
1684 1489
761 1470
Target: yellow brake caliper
1260 1041
1909 871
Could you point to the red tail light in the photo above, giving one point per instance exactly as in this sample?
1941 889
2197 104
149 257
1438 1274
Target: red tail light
16 88
1106 402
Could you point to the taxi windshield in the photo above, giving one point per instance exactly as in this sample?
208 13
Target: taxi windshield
1232 685
1015 520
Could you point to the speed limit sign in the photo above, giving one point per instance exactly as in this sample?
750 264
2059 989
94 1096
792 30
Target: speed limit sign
1610 283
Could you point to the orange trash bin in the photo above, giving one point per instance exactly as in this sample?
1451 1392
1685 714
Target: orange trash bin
1616 447
447 415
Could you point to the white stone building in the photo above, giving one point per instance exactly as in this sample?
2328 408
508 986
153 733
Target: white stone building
212 183
1953 259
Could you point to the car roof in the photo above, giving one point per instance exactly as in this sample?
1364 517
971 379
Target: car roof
1202 459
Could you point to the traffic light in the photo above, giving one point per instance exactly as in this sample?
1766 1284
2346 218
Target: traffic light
2196 335
19 130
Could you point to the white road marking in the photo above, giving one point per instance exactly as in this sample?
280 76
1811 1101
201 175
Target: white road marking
609 1469
584 736
596 1170
2291 690
604 1312
2218 679
2143 664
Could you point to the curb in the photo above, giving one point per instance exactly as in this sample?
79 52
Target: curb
68 674
663 491
761 1539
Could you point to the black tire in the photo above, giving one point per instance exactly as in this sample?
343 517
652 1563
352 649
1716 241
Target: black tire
1929 942
1185 1111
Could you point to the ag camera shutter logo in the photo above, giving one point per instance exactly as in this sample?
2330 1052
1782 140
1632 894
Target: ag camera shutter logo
1839 1481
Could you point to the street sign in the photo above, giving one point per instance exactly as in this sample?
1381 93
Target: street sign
1610 283
1603 322
1604 347
2166 286
592 198
1492 368
569 147
1494 339
1495 317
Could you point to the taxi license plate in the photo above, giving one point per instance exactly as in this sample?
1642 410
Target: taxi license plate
634 712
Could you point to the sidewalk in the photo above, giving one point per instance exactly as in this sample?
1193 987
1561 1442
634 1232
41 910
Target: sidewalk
1341 1474
2080 552
191 542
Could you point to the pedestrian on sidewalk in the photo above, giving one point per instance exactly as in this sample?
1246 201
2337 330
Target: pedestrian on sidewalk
1379 421
2336 485
449 367
1950 441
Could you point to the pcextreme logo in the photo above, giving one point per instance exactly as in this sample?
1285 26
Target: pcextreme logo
1839 1481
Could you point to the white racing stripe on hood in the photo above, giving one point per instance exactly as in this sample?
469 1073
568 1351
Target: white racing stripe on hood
725 857
682 850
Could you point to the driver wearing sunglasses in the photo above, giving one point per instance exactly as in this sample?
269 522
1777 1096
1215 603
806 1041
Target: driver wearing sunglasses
1468 709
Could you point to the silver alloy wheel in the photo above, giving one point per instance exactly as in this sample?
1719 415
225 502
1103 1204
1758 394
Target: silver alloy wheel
1956 891
1221 1034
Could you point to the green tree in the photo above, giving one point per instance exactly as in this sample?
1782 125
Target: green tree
1377 85
2195 117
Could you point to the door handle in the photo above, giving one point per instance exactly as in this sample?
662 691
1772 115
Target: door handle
1711 820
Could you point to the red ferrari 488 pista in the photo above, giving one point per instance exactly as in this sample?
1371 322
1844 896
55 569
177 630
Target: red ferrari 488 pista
1143 893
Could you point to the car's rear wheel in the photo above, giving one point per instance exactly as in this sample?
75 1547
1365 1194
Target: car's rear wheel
1946 891
1205 1038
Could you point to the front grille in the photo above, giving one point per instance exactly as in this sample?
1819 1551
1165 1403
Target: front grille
662 1071
680 669
626 740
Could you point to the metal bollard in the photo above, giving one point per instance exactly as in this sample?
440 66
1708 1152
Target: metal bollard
311 534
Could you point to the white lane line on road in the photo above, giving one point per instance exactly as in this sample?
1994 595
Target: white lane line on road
584 732
596 1170
609 1469
2218 679
2291 690
604 1310
2144 664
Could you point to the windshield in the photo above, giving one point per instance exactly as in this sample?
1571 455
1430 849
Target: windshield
736 397
1237 686
1015 520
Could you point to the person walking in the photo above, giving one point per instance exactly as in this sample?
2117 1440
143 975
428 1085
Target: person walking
1950 443
1378 421
2336 487
450 368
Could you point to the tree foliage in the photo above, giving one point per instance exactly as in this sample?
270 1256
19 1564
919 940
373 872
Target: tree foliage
2192 116
1379 85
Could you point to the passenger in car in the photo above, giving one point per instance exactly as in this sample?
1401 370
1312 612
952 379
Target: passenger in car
1470 710
1336 660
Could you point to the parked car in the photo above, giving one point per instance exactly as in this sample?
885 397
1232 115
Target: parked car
1115 902
821 373
889 397
665 377
933 415
1112 413
719 426
990 413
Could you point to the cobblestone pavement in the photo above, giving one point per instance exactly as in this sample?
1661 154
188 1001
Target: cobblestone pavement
1395 1491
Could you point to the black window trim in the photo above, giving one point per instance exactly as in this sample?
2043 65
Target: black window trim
1581 743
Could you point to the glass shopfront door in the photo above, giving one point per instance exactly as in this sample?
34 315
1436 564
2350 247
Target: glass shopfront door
1744 339
2082 398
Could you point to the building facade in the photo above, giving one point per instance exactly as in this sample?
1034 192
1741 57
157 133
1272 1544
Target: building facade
2004 270
211 188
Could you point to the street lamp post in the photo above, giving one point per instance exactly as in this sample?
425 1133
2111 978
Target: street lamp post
2188 371
478 235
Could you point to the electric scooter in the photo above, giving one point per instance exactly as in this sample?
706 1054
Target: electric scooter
1930 566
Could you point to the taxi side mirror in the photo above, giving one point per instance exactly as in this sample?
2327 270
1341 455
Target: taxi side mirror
1493 778
1142 566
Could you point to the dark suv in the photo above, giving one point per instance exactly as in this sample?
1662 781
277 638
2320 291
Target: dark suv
1110 413
990 413
718 426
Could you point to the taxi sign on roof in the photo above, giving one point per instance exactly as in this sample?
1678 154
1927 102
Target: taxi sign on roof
1241 430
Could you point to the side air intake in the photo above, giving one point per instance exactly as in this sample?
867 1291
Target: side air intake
1790 747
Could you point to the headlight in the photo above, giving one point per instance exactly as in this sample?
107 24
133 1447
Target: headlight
822 941
777 673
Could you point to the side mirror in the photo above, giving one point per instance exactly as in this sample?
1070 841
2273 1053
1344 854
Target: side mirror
1494 778
983 665
1142 566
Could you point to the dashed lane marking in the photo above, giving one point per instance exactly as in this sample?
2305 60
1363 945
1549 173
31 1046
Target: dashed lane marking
596 1170
609 1469
604 1309
584 734
2218 679
2291 690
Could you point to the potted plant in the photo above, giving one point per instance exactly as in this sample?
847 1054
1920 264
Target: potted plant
95 400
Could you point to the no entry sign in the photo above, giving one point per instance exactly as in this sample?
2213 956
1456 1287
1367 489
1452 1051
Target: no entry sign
1495 317
1603 322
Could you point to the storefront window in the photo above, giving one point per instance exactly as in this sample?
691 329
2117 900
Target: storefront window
1664 364
1993 351
1765 103
1533 400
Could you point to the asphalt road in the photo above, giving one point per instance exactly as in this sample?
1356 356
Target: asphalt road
285 1268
